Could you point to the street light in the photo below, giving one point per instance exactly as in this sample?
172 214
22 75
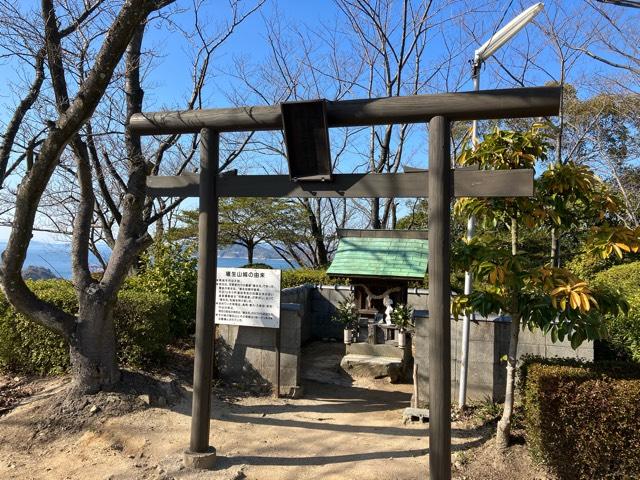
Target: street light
506 33
482 54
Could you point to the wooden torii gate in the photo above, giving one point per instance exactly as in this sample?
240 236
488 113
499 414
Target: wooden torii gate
440 183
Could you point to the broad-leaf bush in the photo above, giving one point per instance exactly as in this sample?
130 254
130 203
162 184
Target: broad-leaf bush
624 329
582 419
28 347
141 321
170 269
142 327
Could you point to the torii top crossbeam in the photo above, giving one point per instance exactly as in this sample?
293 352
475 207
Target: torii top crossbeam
489 104
481 105
440 184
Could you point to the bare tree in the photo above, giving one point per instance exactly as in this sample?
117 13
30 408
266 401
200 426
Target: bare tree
90 334
371 49
105 131
391 39
64 164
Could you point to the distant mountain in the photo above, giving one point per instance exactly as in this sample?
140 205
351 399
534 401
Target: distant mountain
237 251
53 260
53 256
38 273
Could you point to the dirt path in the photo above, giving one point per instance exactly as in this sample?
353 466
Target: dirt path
333 433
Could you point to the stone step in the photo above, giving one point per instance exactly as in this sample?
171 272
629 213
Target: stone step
379 350
372 366
411 414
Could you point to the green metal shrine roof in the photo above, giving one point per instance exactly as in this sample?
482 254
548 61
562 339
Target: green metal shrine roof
364 256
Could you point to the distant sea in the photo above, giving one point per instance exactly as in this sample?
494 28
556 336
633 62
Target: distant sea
57 258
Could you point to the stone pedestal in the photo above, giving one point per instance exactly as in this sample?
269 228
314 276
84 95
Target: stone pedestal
202 461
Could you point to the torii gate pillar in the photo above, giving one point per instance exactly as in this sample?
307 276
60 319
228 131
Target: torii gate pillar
439 301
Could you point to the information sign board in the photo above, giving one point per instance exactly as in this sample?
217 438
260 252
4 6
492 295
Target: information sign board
248 297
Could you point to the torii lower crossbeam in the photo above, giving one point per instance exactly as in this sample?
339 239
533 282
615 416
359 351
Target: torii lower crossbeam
466 183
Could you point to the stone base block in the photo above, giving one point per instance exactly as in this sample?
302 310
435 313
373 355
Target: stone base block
200 460
415 415
296 391
379 350
369 366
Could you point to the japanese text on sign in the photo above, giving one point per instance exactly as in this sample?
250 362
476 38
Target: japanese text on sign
248 297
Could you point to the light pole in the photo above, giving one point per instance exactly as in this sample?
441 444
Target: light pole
501 37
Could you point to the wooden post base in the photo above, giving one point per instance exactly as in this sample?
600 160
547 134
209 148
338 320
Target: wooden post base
200 460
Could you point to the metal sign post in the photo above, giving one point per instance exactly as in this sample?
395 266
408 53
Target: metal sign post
277 332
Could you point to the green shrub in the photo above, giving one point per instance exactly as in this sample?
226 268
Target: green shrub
586 265
142 327
582 419
141 321
171 269
31 348
302 276
624 330
257 265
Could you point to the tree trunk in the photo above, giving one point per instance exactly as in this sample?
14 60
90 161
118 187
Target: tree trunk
322 257
555 248
250 249
375 214
93 346
90 335
504 425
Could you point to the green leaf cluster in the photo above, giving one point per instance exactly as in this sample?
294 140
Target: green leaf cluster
623 328
346 313
402 316
309 276
170 268
516 281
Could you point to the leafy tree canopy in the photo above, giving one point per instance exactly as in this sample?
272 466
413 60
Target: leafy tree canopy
248 222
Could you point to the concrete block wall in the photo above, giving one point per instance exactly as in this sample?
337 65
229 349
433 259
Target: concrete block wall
417 298
323 302
251 352
319 304
488 343
301 295
247 355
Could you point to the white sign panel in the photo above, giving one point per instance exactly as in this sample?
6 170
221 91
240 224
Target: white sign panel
249 297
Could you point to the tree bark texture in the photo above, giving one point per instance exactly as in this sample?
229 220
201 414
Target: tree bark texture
93 344
316 232
504 425
250 249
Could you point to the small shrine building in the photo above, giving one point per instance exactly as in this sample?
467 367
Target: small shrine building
380 266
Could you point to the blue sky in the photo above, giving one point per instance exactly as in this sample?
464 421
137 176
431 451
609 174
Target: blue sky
168 82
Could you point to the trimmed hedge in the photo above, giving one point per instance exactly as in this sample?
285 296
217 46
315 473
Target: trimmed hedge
586 265
28 347
302 276
141 322
257 265
582 419
624 330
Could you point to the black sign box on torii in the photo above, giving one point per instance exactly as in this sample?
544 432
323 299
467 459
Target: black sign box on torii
306 136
